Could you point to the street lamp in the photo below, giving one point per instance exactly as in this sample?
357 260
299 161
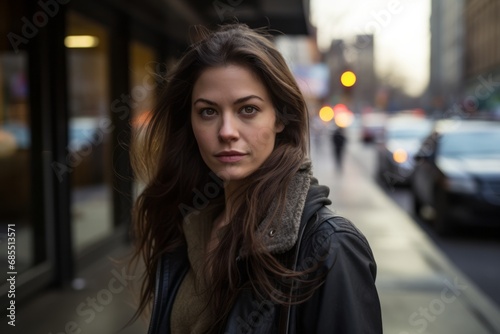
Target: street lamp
348 79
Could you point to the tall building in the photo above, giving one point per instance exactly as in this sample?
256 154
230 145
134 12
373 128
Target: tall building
336 61
357 56
465 56
447 52
482 56
364 92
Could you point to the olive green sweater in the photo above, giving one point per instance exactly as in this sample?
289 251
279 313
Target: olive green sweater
191 313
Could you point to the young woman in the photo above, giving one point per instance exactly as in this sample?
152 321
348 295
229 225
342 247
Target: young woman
231 225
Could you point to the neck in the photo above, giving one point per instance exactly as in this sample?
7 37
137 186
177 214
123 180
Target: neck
222 219
230 191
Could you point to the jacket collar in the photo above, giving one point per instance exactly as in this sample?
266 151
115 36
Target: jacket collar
280 235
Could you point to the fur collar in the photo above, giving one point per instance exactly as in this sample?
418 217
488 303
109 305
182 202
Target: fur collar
281 235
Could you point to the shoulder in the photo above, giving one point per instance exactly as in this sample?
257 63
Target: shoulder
326 223
332 237
340 255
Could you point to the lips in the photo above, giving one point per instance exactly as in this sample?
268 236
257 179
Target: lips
230 156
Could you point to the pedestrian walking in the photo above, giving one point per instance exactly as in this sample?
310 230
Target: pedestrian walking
339 141
232 227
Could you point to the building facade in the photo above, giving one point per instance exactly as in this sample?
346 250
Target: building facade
446 84
482 57
356 56
465 57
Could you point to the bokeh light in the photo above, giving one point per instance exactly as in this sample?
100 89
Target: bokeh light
340 108
344 119
400 155
348 79
326 114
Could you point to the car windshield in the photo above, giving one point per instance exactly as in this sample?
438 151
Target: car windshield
408 133
470 143
373 119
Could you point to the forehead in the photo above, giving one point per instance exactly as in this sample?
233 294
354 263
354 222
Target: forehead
229 81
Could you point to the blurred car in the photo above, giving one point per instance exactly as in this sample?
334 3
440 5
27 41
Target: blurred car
457 173
372 126
402 137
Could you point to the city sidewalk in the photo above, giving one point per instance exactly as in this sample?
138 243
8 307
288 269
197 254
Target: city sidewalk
100 302
420 290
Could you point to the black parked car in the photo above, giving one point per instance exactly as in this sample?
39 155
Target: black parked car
457 173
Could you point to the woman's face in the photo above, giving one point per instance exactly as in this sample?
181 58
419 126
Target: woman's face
233 120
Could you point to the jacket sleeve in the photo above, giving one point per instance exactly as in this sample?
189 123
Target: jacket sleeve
347 302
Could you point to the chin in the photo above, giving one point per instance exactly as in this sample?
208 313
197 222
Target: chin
232 173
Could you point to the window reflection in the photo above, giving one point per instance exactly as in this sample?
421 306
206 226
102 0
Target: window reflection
15 150
144 81
89 130
143 78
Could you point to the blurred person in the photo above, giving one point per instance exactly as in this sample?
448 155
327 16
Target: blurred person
339 140
317 128
232 227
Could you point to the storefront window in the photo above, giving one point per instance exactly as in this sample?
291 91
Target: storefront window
90 130
144 84
144 81
15 150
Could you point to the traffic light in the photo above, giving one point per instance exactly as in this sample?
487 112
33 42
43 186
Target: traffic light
347 79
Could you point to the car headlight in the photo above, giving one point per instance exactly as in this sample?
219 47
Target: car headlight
461 185
400 156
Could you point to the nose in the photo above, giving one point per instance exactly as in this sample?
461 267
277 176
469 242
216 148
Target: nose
228 130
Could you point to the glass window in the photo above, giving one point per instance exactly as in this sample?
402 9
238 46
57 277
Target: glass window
144 68
89 130
482 143
144 84
15 151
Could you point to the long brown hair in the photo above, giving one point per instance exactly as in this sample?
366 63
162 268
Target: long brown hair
173 170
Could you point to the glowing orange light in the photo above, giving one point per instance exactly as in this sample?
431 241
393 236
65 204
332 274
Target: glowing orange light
326 114
348 78
400 155
340 107
344 119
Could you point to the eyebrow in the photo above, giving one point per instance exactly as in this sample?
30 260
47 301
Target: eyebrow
238 101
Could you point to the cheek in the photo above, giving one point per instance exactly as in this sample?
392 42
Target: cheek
264 139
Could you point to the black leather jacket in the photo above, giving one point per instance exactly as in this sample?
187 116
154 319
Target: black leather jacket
346 303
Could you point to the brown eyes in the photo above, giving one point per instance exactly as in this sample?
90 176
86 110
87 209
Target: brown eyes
246 111
249 110
207 112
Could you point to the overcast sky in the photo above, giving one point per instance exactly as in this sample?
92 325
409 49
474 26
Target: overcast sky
401 28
